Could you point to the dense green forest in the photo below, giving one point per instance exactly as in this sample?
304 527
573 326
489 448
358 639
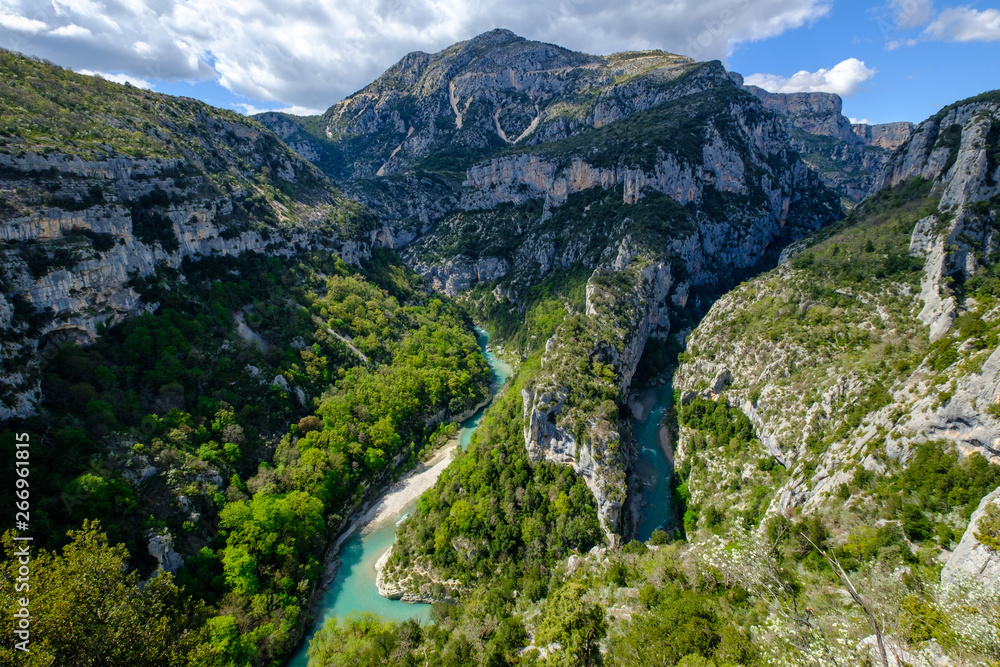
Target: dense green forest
274 393
494 511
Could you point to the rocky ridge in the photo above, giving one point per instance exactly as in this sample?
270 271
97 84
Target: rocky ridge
83 227
905 353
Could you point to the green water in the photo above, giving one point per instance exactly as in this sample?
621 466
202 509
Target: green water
353 589
652 467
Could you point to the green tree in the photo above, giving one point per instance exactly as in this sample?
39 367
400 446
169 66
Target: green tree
87 608
577 625
988 529
359 640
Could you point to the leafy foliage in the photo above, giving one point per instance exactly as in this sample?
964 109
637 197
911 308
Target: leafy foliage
88 609
493 508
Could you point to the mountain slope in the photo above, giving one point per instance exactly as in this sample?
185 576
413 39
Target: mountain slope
102 184
873 339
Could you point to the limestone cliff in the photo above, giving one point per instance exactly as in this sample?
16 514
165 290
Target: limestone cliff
849 158
84 222
499 162
872 337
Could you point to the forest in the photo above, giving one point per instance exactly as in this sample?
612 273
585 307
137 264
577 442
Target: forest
276 393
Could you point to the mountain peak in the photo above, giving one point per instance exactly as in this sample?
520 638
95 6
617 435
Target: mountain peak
495 37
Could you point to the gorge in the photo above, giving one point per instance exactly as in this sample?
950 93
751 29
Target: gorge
742 350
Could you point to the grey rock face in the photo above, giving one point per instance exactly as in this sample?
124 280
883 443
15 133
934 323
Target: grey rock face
603 456
970 558
889 136
161 547
735 168
815 113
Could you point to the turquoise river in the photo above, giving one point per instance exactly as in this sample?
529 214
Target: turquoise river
353 588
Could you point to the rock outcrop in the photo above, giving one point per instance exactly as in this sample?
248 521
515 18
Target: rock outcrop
81 229
816 113
161 547
971 559
565 421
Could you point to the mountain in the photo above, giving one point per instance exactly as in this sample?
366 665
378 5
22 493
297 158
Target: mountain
104 186
848 157
873 343
643 174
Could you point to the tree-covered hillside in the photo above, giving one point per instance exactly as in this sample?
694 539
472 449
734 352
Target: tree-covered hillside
172 428
213 364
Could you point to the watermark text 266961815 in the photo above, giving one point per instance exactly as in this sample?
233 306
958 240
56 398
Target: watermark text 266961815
22 516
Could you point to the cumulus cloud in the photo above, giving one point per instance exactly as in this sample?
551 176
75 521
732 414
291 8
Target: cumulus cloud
844 79
311 53
965 24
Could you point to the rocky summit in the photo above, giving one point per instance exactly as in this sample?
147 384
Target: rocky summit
230 340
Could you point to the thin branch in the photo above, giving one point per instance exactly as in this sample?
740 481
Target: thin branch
844 579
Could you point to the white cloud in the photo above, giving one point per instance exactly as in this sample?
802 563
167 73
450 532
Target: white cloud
250 109
311 53
859 121
72 30
965 24
911 13
23 24
844 79
120 78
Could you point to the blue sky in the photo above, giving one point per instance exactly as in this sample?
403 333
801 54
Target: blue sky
889 59
911 82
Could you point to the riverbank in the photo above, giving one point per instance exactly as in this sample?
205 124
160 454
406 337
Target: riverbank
348 584
406 490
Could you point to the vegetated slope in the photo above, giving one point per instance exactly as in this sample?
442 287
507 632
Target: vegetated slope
869 355
100 184
228 369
